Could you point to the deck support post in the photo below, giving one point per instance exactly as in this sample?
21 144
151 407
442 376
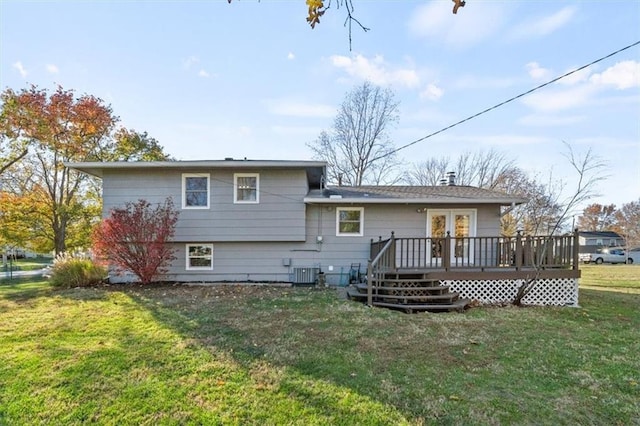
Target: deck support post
518 250
576 249
446 253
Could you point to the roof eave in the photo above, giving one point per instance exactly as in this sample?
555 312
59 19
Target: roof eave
97 168
433 200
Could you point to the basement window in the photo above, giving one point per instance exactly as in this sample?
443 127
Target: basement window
199 257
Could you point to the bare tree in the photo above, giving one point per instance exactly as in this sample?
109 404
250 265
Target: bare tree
589 172
481 168
427 173
358 150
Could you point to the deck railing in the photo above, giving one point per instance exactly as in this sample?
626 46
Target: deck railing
382 260
471 254
558 251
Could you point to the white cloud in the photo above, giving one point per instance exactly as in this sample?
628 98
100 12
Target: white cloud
291 56
580 89
21 69
623 75
469 26
558 100
52 69
203 73
294 108
376 70
540 27
536 72
577 77
432 92
189 62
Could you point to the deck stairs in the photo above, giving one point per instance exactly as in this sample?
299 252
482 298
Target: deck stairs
409 292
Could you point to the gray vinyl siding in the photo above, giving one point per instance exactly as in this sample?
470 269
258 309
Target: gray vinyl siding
279 216
267 261
266 241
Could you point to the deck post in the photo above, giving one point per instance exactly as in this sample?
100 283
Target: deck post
518 250
370 282
446 253
393 252
576 249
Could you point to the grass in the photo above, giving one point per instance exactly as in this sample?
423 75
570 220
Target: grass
30 264
264 355
625 278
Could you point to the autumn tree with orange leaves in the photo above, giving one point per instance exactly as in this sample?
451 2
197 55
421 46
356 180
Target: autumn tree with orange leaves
39 132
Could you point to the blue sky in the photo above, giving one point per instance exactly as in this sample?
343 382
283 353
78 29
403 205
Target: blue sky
211 80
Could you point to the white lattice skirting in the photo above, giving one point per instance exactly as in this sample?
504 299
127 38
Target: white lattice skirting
552 291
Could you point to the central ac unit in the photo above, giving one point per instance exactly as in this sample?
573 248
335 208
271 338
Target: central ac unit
304 275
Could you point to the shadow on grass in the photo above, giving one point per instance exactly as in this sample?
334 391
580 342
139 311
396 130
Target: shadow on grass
282 328
24 288
422 366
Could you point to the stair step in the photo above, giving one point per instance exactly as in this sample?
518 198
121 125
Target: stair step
356 295
404 280
432 297
438 288
459 305
438 298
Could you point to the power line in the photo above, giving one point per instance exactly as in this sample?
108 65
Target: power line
505 102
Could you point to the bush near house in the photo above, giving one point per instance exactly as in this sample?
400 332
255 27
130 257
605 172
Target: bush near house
71 270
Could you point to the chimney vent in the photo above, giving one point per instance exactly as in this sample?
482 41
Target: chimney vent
451 177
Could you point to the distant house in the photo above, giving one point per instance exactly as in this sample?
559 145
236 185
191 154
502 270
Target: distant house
277 221
592 241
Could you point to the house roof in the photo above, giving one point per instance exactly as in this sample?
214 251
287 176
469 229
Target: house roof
599 234
315 169
396 194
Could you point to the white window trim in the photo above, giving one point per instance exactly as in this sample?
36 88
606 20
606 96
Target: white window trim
235 188
184 189
197 268
349 234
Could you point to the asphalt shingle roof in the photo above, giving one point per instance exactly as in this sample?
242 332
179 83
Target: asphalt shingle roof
414 194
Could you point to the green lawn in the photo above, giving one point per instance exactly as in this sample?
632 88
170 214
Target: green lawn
30 264
625 278
265 355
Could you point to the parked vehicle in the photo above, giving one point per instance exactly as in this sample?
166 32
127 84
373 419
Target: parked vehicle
607 255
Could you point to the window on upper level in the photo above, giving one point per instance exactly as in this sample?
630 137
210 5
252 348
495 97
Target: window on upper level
199 257
195 191
349 221
246 188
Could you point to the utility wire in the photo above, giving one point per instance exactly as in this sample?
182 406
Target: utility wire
504 102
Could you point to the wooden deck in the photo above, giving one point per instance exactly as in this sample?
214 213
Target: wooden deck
399 263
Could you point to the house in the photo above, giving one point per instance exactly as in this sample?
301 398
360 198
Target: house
277 221
592 241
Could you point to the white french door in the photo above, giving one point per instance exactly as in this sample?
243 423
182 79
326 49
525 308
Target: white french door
460 224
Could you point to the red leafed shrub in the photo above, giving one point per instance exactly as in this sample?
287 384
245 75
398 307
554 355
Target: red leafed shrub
135 238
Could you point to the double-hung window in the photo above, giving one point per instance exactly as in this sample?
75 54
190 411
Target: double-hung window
349 221
199 257
195 190
246 188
